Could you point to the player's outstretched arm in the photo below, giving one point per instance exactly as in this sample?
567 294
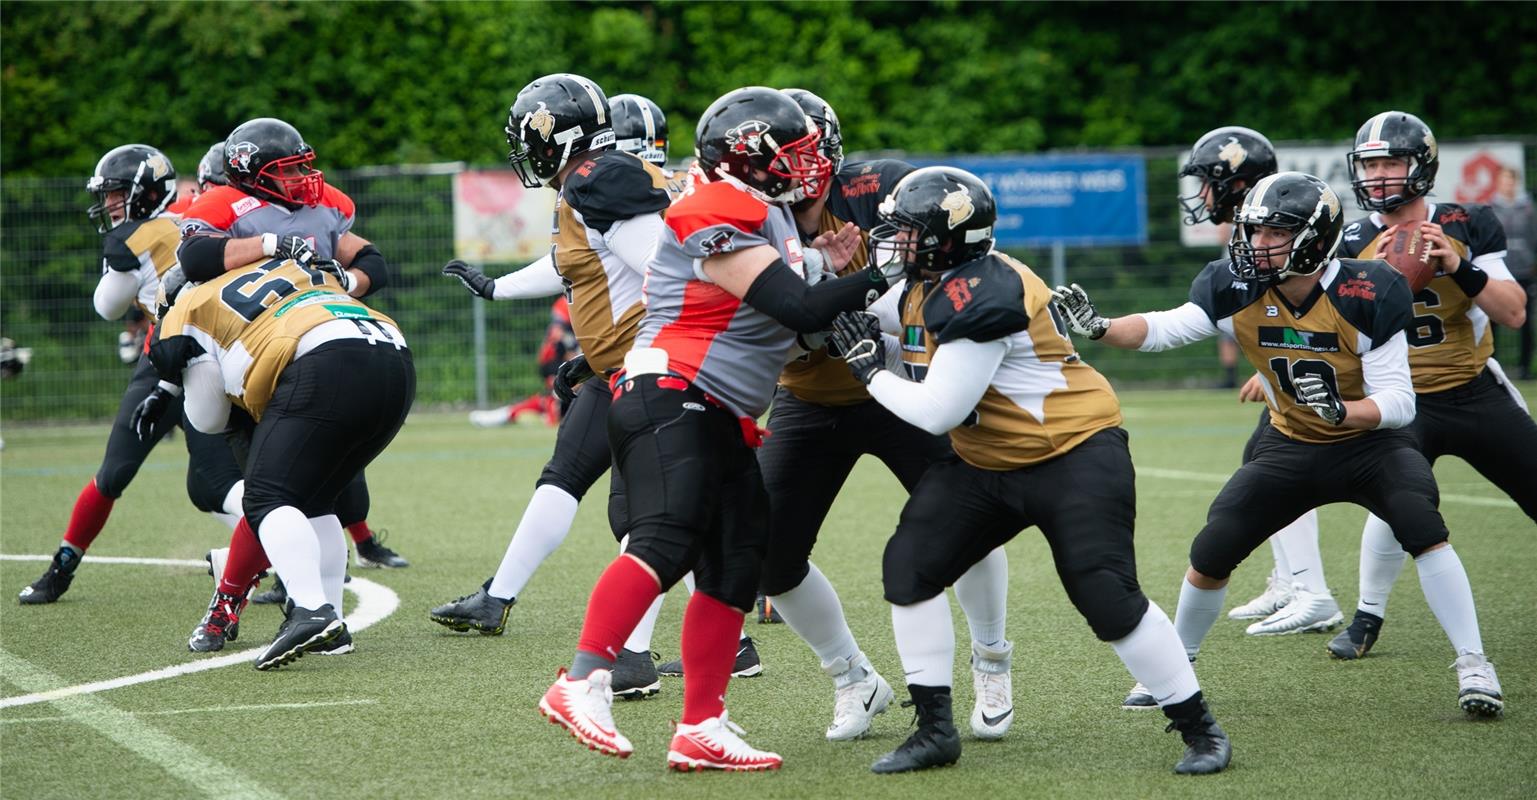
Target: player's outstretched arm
1085 320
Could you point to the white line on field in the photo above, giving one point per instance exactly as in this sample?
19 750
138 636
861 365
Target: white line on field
1213 477
178 758
203 710
375 602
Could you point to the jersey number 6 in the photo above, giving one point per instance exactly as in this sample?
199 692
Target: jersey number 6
249 299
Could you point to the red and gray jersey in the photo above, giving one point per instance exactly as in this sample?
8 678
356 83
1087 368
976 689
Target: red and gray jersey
714 339
227 211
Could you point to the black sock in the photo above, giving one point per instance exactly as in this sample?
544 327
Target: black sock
583 664
1191 708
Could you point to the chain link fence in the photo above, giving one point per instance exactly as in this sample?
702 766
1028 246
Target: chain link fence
49 257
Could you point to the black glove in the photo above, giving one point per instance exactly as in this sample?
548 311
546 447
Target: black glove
1075 305
335 269
857 335
1314 392
171 356
146 416
568 376
472 278
297 248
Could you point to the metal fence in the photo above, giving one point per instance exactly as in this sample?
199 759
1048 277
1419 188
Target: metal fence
49 254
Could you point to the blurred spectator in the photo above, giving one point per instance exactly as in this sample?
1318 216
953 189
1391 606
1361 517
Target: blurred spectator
559 346
1513 205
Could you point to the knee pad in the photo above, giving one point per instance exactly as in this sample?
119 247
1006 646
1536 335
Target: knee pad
114 476
1210 556
668 557
734 583
1112 608
778 579
902 577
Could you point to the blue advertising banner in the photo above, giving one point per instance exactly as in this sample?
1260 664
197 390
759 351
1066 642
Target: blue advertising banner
1073 199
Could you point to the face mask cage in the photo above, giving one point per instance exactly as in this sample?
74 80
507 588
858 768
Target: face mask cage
915 253
102 211
304 188
802 160
1223 198
1409 187
1277 262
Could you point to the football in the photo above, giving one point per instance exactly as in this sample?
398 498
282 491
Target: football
1408 252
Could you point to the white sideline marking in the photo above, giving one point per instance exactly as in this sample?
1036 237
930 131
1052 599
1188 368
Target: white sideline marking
1212 477
203 710
181 760
375 602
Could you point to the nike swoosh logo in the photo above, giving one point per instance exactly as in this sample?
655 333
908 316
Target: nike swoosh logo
1369 603
1299 572
911 673
715 751
991 721
873 693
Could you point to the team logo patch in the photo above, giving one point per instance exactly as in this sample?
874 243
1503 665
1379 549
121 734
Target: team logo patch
1359 287
1233 153
541 121
1293 339
1272 311
718 242
245 205
747 137
159 166
959 204
1330 200
691 406
239 156
959 292
861 186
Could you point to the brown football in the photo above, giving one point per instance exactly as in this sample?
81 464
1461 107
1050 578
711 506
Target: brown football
1408 252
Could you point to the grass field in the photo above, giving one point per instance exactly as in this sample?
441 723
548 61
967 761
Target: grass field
418 711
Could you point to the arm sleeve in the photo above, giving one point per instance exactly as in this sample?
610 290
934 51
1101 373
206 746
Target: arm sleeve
783 295
958 376
634 240
202 256
1385 370
887 309
538 279
115 293
205 402
1176 328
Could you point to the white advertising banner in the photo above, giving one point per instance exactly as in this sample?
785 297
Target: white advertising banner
1466 176
499 221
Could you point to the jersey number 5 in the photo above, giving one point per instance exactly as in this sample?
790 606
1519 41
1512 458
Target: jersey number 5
254 292
1285 369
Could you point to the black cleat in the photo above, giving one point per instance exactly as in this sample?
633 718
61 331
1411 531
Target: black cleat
767 613
220 624
275 596
479 611
304 631
55 582
340 646
936 742
635 675
748 664
371 552
1207 749
1356 641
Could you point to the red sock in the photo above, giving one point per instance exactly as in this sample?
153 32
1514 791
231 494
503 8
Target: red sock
531 403
246 560
623 593
710 632
359 531
90 515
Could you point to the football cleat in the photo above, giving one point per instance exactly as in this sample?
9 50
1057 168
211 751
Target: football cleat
1139 699
748 664
934 744
993 712
55 582
1277 594
340 646
371 552
479 611
491 417
767 614
585 709
1478 690
303 631
717 743
859 694
220 624
635 675
1207 749
1356 640
276 596
216 559
1307 611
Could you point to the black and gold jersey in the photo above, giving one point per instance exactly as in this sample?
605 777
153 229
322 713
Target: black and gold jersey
1043 400
856 191
605 294
1449 338
251 320
145 248
1356 306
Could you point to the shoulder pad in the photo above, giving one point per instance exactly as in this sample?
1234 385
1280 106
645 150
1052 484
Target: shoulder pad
1474 225
1220 293
610 186
861 186
338 199
1358 233
115 252
1373 297
218 208
716 204
981 301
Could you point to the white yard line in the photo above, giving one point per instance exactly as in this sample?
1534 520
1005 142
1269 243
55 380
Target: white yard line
202 710
1214 477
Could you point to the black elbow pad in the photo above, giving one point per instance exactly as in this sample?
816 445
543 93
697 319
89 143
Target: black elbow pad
202 257
371 262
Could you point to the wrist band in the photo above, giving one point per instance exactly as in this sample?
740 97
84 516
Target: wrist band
1469 278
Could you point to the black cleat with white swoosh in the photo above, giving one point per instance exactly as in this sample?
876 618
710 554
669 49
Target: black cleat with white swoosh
1356 641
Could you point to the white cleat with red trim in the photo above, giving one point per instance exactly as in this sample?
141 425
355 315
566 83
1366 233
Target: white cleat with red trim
716 743
585 709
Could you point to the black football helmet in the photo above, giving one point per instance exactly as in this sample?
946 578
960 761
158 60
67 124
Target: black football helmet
640 127
1222 159
142 174
1394 134
210 171
1296 202
267 158
757 131
555 118
826 120
936 218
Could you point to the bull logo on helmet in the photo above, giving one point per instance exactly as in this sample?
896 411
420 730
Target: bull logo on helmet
541 121
959 204
239 156
1328 199
747 137
159 166
1233 153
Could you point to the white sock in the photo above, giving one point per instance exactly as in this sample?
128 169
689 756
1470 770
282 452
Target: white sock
1282 568
1197 612
333 557
983 593
1154 655
544 525
640 638
926 641
1305 565
294 550
1382 559
688 581
1450 597
234 500
814 612
228 519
